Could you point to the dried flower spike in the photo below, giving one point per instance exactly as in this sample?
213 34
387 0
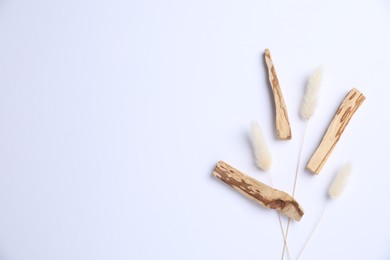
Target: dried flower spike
309 104
262 155
310 99
340 181
335 189
263 161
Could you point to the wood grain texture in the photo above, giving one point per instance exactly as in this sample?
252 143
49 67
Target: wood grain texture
259 192
283 129
332 135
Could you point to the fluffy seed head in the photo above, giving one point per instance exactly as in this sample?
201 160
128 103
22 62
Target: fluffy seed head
262 155
310 99
340 181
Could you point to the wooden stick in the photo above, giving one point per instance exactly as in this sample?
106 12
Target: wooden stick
343 115
283 128
259 192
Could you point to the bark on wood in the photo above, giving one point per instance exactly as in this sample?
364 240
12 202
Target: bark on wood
283 128
344 114
259 192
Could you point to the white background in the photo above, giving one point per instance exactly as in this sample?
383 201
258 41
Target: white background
114 113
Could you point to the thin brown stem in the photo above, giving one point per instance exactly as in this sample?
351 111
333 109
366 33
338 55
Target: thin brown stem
279 218
299 160
295 181
286 236
312 232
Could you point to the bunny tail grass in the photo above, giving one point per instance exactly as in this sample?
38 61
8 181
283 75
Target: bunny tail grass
307 110
335 189
340 181
262 154
310 99
263 161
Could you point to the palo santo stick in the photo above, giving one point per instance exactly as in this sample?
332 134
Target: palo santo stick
344 114
259 192
283 128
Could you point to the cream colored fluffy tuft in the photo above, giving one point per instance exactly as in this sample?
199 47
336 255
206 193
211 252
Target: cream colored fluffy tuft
262 154
340 181
310 99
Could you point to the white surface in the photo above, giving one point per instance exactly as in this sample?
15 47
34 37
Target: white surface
114 113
